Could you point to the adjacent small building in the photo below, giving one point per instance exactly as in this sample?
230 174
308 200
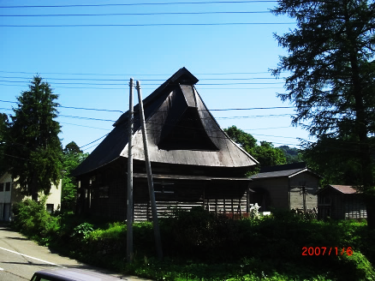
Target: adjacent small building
292 186
11 194
340 202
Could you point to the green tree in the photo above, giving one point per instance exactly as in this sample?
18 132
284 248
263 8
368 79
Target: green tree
265 153
326 157
268 155
72 157
247 141
33 140
330 58
292 154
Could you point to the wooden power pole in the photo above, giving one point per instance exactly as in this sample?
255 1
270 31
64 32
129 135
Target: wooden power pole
149 177
129 211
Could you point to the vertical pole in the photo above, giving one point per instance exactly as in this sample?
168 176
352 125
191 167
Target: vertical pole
304 198
129 211
149 177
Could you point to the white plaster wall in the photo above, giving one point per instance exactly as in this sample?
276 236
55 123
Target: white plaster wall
5 196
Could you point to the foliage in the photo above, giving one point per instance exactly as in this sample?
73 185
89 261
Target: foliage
292 154
198 245
33 141
247 141
33 219
71 158
326 157
265 153
268 155
331 61
82 231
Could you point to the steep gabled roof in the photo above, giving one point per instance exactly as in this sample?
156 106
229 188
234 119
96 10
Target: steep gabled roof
180 130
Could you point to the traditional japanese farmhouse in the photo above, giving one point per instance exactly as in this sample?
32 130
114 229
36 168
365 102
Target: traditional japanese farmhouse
194 163
341 202
292 186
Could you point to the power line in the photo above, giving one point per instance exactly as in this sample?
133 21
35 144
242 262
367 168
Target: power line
214 109
252 108
85 126
80 108
94 140
148 84
135 74
85 118
139 4
145 88
139 14
145 24
124 80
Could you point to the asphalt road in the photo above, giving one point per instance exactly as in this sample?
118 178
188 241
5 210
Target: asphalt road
20 258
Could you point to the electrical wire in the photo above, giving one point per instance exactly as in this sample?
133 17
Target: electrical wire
94 140
80 108
139 4
85 126
126 83
145 88
147 84
139 14
136 74
145 24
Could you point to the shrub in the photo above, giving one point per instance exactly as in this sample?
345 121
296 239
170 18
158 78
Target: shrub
32 218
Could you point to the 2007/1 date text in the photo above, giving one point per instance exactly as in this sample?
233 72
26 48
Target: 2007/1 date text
326 251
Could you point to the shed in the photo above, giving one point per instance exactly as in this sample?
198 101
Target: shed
291 186
194 162
341 202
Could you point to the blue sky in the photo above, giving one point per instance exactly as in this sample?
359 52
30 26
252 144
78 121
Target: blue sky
90 66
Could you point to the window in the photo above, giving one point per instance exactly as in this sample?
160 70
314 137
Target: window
7 186
1 187
50 208
104 192
164 187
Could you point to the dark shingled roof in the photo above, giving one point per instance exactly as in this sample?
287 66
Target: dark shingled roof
277 174
173 110
288 170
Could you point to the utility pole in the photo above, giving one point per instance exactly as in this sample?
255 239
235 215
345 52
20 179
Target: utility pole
129 211
304 197
149 177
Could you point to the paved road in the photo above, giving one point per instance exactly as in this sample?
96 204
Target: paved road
20 258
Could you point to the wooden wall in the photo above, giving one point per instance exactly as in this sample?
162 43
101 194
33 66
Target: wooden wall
336 205
104 194
277 189
311 183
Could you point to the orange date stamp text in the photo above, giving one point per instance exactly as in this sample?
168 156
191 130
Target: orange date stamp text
326 251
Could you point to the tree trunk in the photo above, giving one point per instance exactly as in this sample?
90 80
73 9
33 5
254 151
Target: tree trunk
34 188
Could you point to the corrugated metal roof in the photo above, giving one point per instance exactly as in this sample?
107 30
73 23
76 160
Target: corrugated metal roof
164 108
345 189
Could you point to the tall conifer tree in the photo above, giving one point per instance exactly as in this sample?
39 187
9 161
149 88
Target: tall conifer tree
32 142
331 64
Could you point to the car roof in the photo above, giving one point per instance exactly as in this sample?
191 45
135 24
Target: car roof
75 274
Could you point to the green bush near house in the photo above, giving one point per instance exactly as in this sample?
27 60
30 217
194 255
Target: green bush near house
198 245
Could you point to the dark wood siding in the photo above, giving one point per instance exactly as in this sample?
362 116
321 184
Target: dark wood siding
336 205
